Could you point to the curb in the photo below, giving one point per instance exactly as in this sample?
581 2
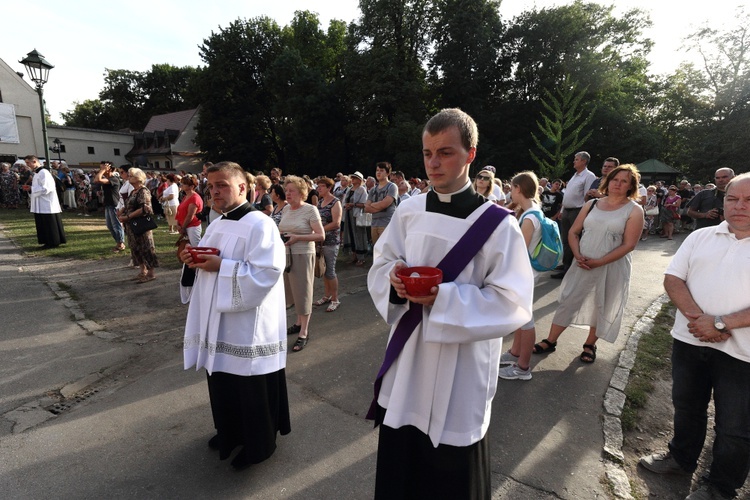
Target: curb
614 401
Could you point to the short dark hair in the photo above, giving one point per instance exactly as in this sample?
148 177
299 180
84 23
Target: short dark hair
279 190
384 165
228 166
612 159
30 157
454 117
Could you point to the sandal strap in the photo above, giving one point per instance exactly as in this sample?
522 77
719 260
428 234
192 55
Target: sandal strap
590 346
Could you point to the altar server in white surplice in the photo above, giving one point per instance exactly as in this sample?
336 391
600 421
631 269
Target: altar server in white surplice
236 322
45 205
435 400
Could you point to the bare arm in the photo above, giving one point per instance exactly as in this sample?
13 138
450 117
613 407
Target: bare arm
335 218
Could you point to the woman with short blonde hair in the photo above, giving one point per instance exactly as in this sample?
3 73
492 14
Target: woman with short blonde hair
300 228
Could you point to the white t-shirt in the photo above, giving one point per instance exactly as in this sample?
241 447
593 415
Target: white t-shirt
173 190
715 265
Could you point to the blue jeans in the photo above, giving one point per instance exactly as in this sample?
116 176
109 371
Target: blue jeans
114 226
696 372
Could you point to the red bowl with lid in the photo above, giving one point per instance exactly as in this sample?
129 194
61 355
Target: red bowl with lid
198 253
420 279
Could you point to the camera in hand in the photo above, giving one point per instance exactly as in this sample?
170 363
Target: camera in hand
284 237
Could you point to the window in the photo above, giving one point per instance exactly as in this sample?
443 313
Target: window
117 151
62 148
156 164
91 150
167 164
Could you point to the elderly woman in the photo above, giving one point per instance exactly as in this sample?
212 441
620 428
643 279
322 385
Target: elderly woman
142 249
300 227
170 201
278 197
261 199
330 214
188 224
595 291
354 204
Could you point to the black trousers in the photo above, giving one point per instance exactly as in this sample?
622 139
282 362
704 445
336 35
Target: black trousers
410 467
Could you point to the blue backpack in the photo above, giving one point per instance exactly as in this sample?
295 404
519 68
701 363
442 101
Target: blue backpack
548 253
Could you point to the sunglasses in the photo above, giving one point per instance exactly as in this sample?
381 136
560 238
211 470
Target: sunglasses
483 178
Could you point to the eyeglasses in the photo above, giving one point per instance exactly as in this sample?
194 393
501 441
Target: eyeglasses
483 178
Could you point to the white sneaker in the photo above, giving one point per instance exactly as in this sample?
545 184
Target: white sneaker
507 358
514 372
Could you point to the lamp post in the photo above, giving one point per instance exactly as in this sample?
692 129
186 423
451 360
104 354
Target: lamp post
57 148
38 69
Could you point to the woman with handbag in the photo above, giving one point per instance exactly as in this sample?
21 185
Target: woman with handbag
137 208
188 225
670 212
330 214
354 204
300 228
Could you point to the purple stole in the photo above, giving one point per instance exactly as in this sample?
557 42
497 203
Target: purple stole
452 264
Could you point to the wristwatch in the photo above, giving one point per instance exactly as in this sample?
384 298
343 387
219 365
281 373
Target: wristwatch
719 324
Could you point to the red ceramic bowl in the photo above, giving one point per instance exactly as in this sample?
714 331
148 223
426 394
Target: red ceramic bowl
418 286
198 252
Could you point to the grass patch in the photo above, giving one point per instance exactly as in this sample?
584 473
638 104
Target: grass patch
88 237
652 363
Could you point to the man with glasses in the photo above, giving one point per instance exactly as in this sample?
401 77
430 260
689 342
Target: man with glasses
707 207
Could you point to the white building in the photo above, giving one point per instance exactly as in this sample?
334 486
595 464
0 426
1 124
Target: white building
20 119
167 142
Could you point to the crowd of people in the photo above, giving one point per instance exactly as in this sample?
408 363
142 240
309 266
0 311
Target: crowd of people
277 232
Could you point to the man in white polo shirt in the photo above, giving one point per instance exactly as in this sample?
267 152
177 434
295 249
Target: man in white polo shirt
709 282
573 200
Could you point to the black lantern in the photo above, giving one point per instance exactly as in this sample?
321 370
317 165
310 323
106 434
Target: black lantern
57 148
38 69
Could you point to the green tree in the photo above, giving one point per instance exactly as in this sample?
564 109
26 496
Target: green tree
465 67
90 113
237 121
561 128
602 53
714 114
386 90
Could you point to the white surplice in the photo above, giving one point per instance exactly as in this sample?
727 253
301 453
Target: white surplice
236 321
43 193
445 378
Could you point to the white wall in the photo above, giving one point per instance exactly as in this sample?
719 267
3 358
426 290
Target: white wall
20 93
78 140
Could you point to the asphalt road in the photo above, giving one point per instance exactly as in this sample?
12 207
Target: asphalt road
140 424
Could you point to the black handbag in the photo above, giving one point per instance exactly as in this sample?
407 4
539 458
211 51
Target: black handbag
140 225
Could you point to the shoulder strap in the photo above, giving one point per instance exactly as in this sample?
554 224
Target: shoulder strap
452 264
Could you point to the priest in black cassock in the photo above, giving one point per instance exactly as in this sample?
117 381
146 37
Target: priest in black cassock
236 322
434 395
45 205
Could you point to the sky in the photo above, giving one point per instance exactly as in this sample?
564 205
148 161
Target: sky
83 37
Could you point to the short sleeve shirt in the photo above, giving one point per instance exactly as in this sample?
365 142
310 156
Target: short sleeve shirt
382 218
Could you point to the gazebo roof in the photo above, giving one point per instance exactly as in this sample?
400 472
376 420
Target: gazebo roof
654 166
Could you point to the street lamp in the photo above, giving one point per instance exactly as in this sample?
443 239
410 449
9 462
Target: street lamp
38 69
57 148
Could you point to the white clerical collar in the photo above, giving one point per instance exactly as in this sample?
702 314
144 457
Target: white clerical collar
235 208
446 198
